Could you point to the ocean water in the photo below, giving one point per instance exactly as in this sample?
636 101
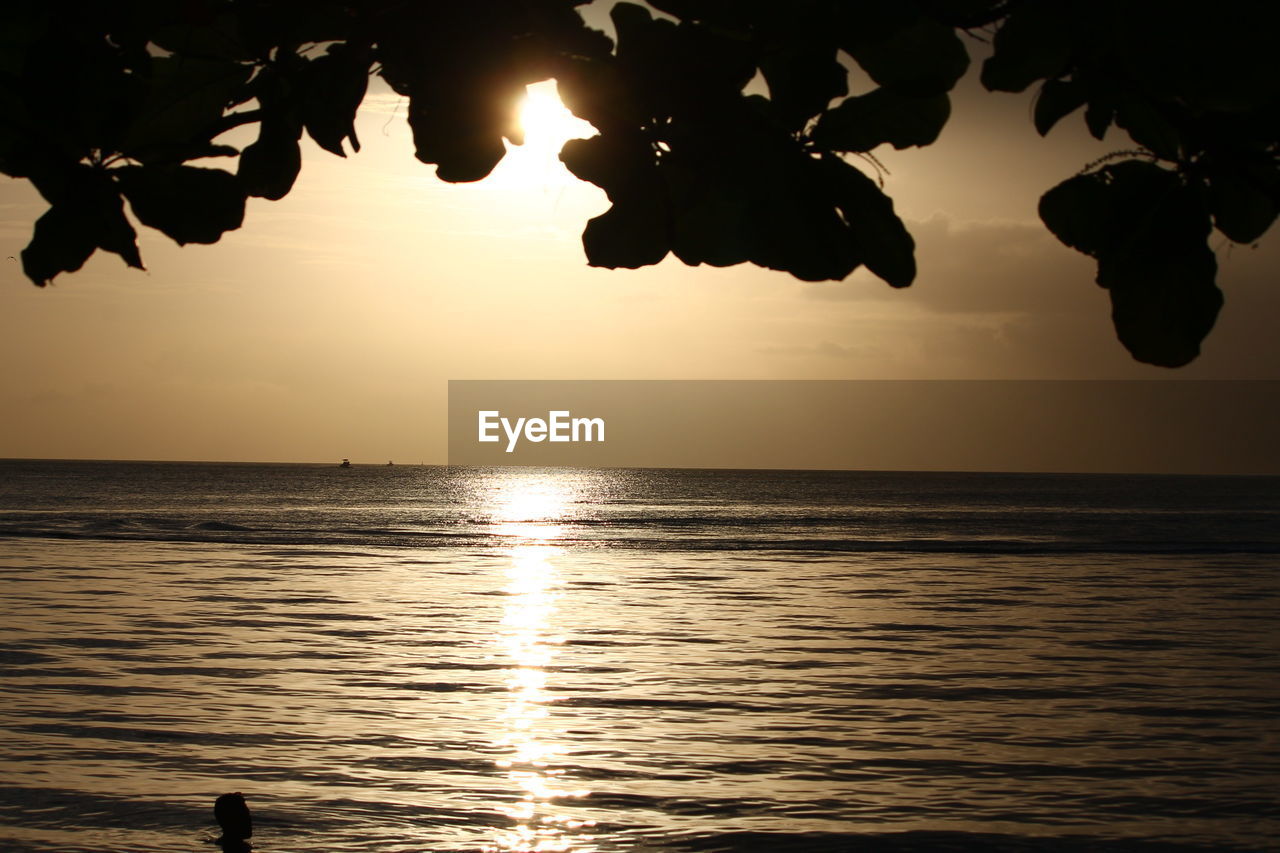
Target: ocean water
429 659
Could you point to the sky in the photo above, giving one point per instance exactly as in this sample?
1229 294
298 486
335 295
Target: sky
330 324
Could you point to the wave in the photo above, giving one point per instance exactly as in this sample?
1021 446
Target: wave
656 535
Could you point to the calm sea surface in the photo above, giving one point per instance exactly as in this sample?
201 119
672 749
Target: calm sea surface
426 659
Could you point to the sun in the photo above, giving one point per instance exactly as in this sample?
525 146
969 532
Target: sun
535 165
546 122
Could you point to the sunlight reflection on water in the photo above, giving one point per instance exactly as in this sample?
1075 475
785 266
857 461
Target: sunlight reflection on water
527 509
402 660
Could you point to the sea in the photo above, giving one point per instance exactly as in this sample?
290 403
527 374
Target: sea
418 658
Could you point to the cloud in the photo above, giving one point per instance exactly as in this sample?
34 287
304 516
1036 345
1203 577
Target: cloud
983 267
822 349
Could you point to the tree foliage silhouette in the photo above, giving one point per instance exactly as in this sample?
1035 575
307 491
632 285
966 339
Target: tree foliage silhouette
102 103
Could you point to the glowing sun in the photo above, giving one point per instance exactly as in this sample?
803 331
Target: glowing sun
547 123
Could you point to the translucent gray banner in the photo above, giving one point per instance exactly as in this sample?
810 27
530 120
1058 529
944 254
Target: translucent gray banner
1183 426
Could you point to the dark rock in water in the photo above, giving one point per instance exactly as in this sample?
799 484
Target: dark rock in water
233 816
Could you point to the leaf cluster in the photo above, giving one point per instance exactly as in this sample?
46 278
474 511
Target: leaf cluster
102 104
696 167
1200 95
127 104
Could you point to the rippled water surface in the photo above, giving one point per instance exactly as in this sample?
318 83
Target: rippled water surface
423 659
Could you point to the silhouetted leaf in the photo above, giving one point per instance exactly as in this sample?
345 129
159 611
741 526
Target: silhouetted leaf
17 151
1078 212
631 234
882 241
588 159
62 242
23 156
464 70
1241 209
634 232
679 70
202 150
189 204
595 91
335 86
1098 116
794 225
607 160
1223 59
562 33
185 98
24 24
803 80
760 203
1033 43
298 22
710 200
211 36
1148 231
1148 128
922 58
642 41
70 91
1058 98
88 215
863 122
713 229
114 233
1097 213
462 137
1163 305
270 165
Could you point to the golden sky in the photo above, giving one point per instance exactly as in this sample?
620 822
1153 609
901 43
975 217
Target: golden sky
329 325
